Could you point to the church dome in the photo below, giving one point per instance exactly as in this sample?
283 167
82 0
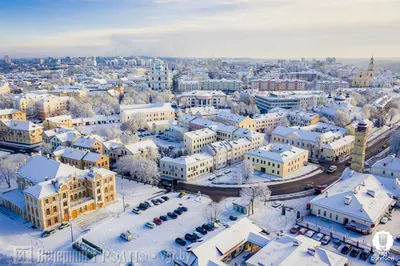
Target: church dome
159 68
340 98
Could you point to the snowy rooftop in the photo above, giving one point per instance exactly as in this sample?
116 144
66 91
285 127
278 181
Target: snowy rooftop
226 128
59 118
247 133
187 118
203 93
85 142
113 144
140 146
144 108
220 145
390 163
185 160
70 153
234 118
303 114
67 136
284 252
8 111
203 122
368 197
41 190
339 142
200 133
16 197
20 125
277 152
273 115
92 157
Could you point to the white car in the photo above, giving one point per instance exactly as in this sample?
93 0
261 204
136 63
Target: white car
128 236
309 233
318 236
276 204
384 220
150 225
136 210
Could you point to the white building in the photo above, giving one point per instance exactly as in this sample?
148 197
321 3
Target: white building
186 167
278 85
359 201
159 77
188 85
147 112
302 118
202 98
388 167
226 86
331 85
268 122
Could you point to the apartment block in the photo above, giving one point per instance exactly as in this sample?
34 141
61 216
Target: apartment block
302 118
224 85
20 132
51 106
195 140
278 159
186 167
147 112
278 84
81 159
236 120
12 114
57 122
202 99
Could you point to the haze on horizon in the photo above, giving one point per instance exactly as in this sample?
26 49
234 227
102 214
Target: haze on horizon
206 28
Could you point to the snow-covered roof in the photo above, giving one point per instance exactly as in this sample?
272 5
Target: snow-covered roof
92 157
20 125
368 197
339 142
67 136
283 252
70 153
187 118
247 133
145 108
40 168
186 160
113 144
202 93
16 197
390 163
203 122
140 146
59 118
277 152
85 142
8 111
200 133
233 118
226 128
41 190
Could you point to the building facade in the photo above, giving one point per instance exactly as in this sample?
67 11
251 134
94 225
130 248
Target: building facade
365 77
147 112
203 99
195 140
226 86
12 114
20 132
159 77
360 145
278 85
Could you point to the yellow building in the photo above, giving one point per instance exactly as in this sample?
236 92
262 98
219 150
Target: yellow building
12 114
360 144
57 122
278 159
4 88
236 120
20 132
88 143
54 192
81 159
365 77
195 140
51 106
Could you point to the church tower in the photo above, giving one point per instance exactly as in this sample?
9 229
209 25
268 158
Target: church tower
360 144
371 69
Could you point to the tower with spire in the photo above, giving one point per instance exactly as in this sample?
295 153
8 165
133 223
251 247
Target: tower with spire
365 77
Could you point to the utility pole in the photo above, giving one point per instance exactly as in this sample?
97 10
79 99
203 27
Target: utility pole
123 202
72 232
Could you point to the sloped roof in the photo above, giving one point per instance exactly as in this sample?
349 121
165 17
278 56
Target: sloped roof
140 146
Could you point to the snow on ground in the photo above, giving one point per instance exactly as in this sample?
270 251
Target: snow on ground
87 130
167 143
228 176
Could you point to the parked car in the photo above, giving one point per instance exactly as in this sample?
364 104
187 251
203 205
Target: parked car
63 225
332 169
276 204
294 229
311 160
183 208
325 240
365 254
197 235
309 233
208 227
160 200
346 249
354 253
150 225
302 231
157 221
182 194
373 259
128 236
143 206
178 211
201 230
233 218
180 241
318 236
309 186
48 232
155 202
136 210
165 198
337 241
172 215
148 204
164 218
211 178
384 220
190 237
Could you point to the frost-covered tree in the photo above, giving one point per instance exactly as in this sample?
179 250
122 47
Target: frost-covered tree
80 109
124 164
46 148
145 170
9 167
133 125
5 102
369 111
395 143
393 112
341 118
248 170
108 133
253 194
357 99
284 122
213 211
266 195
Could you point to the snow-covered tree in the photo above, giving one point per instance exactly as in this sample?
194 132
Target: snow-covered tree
284 122
248 170
133 125
369 111
154 155
341 118
395 143
393 112
323 119
46 148
80 109
124 164
108 133
5 102
266 195
9 167
254 194
213 211
145 170
179 113
357 99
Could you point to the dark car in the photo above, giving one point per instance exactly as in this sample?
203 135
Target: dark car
233 218
354 253
147 204
48 232
155 202
294 229
183 208
365 254
201 230
164 218
157 221
180 241
208 227
178 211
190 237
346 249
165 198
160 200
172 215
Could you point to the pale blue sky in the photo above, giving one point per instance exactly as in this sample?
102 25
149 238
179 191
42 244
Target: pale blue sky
201 28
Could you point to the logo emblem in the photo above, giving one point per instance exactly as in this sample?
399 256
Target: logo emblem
382 241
